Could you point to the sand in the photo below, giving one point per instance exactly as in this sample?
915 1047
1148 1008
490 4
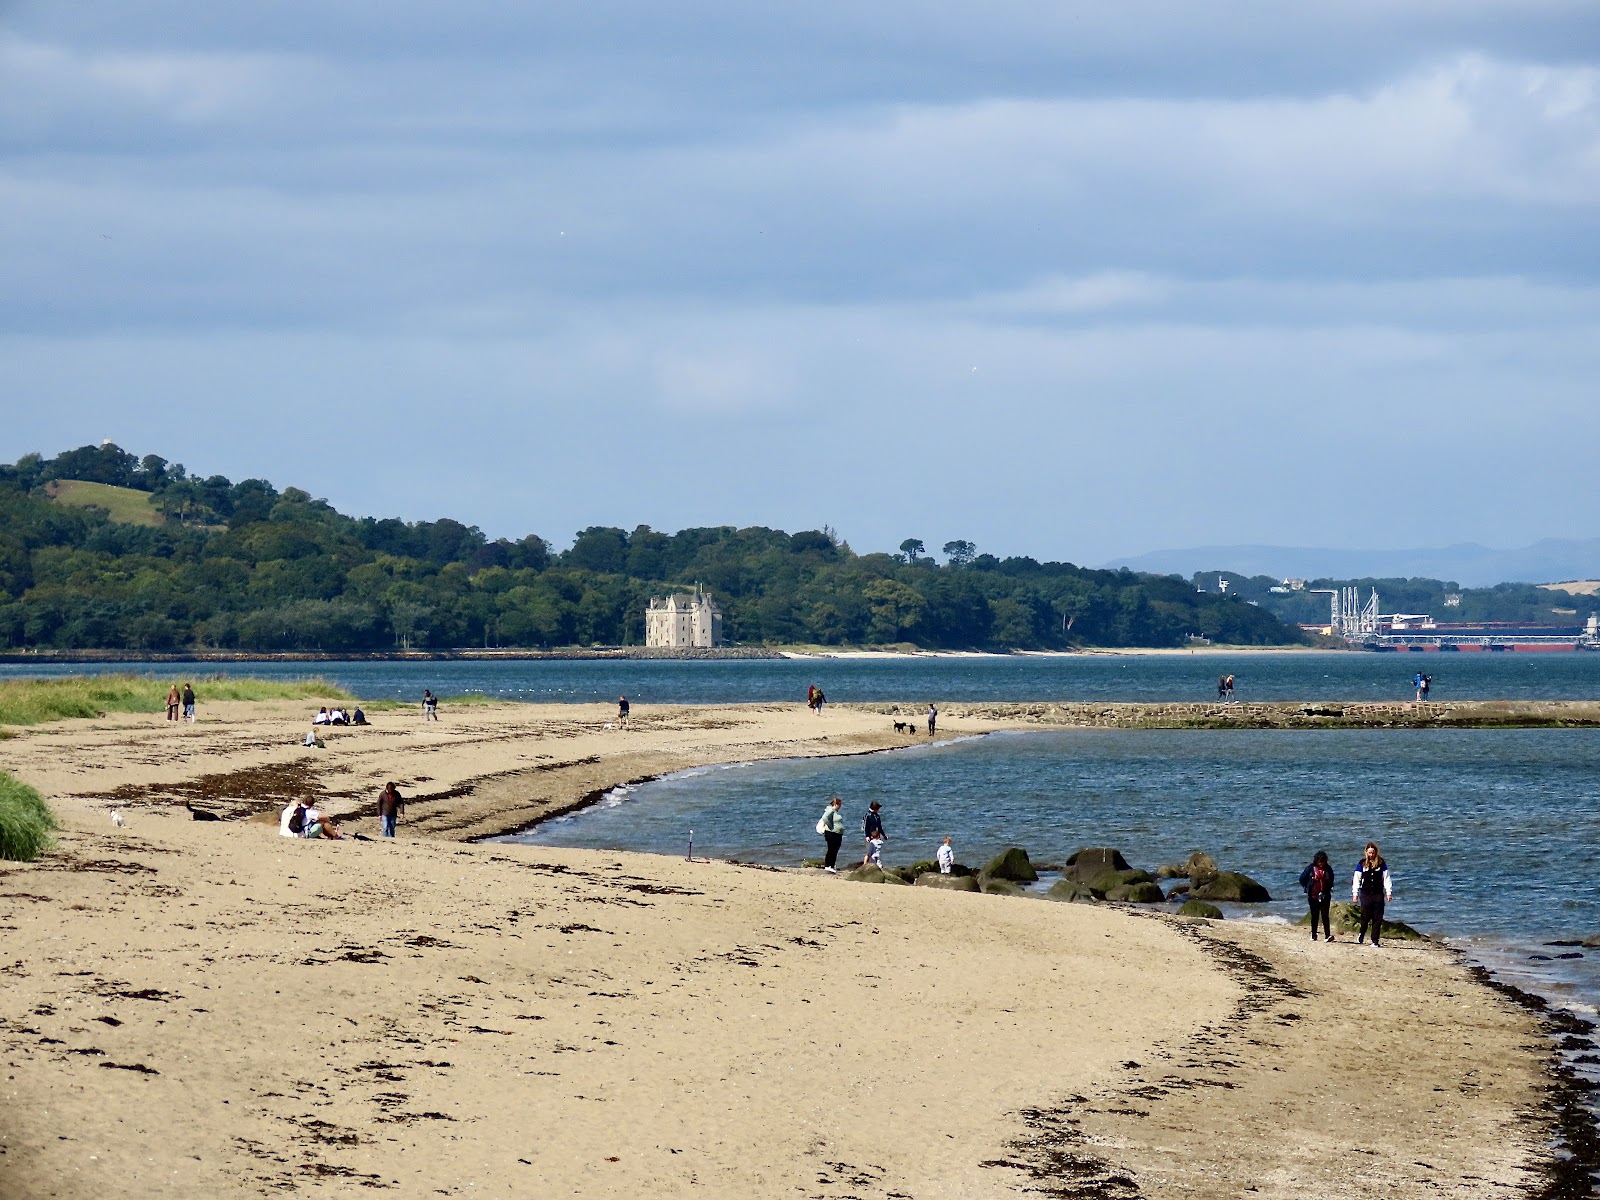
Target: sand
207 1009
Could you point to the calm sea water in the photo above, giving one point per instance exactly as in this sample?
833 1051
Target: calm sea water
1292 676
1491 835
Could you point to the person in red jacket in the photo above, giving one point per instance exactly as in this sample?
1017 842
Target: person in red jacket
1317 880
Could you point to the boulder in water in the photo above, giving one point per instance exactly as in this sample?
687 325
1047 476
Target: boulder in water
1142 892
1233 887
1070 891
1011 865
1084 864
992 886
949 883
1105 881
1201 868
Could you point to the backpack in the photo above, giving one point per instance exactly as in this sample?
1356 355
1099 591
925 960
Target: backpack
297 820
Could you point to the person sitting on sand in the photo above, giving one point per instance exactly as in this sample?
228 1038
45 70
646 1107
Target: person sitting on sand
358 717
322 717
336 717
311 739
319 825
946 857
288 826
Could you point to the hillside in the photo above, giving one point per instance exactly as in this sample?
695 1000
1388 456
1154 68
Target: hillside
127 506
247 566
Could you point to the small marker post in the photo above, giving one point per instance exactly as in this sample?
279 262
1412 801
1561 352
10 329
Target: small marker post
691 845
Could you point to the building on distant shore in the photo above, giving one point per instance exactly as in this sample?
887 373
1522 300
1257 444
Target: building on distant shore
683 621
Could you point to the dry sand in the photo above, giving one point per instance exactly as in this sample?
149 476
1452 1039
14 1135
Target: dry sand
199 1009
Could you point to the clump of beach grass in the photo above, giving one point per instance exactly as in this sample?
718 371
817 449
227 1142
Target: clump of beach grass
26 821
36 701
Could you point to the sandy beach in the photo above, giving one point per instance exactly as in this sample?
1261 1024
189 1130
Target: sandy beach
207 1009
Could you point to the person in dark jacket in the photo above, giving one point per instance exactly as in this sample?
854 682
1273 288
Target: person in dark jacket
1317 882
1371 888
872 828
391 807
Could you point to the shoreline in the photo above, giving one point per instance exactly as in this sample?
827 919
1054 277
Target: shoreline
591 986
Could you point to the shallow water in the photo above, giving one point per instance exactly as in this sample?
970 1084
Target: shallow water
1491 835
1090 677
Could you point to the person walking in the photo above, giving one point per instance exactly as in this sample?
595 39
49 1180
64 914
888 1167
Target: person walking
872 828
811 697
1317 882
622 710
1222 688
1416 684
430 706
831 827
1427 685
933 718
946 857
1371 889
391 807
173 701
188 703
1229 685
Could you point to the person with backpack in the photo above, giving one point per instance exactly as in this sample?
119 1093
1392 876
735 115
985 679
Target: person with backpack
292 821
831 827
872 827
1371 889
1317 882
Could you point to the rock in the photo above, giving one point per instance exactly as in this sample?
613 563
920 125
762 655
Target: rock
921 867
1107 880
1090 861
1145 892
1201 868
813 862
992 886
1011 865
1177 889
1592 942
1232 886
949 883
873 875
1199 908
1172 871
1070 891
1346 920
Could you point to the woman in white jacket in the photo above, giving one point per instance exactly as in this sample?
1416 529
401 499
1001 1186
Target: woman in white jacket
1370 890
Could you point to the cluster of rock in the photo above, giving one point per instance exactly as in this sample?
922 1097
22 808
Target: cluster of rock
1090 875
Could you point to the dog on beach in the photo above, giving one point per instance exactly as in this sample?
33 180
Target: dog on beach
899 726
200 814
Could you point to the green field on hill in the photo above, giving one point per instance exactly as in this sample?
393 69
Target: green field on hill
129 506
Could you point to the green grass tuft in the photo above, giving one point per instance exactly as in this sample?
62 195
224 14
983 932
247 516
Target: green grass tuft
26 821
468 698
35 701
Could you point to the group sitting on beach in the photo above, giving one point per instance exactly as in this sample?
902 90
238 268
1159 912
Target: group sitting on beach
337 716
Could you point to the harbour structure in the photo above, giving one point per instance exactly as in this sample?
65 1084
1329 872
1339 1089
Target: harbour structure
1362 624
683 621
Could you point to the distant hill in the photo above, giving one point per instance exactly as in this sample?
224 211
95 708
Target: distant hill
1468 564
127 506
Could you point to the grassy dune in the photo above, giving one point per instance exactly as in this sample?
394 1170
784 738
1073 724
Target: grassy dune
35 701
26 821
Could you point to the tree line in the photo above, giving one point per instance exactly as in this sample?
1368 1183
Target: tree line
246 566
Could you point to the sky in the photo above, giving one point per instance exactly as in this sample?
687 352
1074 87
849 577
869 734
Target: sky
1075 281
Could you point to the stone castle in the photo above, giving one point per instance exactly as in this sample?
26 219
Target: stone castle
683 621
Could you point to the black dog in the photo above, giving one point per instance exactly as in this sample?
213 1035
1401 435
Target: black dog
899 726
200 814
